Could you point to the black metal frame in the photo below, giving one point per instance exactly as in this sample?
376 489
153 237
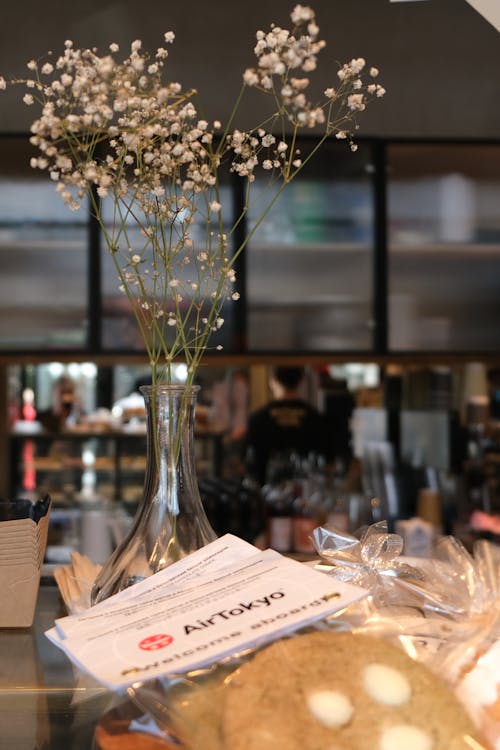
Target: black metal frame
378 352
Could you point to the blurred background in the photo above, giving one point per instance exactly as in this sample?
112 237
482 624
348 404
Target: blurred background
377 271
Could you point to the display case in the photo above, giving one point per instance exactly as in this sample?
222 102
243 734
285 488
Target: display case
443 247
309 266
393 249
74 464
95 481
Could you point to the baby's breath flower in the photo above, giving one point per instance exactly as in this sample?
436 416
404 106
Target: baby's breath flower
301 13
158 165
250 77
356 102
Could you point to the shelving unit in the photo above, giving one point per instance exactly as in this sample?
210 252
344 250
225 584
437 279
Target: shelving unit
114 461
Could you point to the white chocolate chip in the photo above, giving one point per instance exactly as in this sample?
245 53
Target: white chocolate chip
332 708
405 736
386 685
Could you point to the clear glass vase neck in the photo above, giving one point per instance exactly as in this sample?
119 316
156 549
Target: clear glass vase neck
170 522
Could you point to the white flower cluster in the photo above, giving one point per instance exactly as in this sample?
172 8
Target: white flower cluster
281 52
117 132
147 130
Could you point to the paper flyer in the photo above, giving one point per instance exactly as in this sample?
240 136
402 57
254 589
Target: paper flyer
202 563
252 600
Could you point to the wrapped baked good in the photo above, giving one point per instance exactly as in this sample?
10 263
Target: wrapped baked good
443 611
383 672
321 688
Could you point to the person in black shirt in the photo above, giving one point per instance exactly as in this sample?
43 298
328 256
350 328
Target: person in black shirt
286 425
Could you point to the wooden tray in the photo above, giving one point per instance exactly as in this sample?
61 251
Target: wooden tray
112 732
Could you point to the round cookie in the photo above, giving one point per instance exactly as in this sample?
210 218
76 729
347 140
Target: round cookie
341 691
196 711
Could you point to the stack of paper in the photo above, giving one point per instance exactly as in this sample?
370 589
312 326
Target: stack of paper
216 603
23 538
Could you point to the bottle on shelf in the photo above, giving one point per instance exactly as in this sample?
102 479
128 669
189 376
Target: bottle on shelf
337 511
305 520
279 507
308 504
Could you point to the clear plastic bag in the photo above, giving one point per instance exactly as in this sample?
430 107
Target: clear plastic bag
285 695
444 611
442 614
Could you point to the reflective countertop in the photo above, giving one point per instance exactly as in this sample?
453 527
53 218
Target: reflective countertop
45 702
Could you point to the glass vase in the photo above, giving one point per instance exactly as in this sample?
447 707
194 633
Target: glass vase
170 522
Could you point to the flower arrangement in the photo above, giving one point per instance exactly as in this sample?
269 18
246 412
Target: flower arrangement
153 170
136 145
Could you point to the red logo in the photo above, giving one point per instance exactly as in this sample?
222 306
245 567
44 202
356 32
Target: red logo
155 642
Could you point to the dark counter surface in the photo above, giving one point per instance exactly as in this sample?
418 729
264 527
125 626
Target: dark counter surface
45 702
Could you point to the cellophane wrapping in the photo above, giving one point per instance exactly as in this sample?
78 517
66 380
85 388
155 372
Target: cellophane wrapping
443 612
